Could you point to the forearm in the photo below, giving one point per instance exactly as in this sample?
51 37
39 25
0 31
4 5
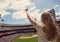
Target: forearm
31 20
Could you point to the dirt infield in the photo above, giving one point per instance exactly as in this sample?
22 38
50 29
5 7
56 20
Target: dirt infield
25 37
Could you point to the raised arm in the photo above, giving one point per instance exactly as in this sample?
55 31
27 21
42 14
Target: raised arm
31 20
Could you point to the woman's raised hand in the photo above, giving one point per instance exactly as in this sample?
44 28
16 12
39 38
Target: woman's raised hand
26 9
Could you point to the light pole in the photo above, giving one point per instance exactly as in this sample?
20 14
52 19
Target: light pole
0 20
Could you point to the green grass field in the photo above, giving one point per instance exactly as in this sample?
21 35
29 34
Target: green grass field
34 39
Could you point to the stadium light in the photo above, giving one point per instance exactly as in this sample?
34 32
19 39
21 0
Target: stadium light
0 20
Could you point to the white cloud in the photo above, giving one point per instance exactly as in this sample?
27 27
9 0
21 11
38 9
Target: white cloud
3 5
15 4
58 16
35 12
4 13
21 3
19 14
32 7
22 14
55 6
58 13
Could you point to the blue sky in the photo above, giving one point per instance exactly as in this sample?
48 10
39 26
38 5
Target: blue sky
12 11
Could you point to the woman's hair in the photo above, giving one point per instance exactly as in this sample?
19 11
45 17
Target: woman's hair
49 26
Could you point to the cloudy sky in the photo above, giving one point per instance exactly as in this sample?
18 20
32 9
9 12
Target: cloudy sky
13 11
